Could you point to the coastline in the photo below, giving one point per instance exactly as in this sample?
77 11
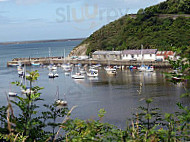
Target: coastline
39 41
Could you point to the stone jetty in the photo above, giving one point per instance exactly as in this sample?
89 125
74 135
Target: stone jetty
61 60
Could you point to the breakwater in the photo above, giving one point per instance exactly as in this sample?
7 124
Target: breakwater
61 60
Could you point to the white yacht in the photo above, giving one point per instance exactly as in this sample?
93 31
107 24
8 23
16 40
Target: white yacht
78 76
92 74
110 70
60 102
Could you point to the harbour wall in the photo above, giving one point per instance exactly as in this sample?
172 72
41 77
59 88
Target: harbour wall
60 60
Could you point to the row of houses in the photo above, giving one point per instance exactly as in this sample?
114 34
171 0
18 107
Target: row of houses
135 55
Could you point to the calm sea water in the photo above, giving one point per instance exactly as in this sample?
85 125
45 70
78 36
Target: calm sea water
116 94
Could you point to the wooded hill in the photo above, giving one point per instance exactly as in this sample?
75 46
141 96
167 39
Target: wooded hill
150 27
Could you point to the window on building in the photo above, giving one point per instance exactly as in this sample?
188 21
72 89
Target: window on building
132 55
150 55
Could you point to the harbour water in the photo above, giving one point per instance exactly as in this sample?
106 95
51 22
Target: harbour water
118 94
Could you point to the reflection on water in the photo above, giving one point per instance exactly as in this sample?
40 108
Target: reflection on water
117 94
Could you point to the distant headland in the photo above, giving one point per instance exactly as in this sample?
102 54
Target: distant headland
39 41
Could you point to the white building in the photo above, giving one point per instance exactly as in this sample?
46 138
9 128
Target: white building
106 55
144 54
164 55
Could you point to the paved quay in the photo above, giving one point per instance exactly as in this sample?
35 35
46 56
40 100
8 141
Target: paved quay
60 60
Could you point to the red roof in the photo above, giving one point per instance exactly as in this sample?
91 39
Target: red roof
165 53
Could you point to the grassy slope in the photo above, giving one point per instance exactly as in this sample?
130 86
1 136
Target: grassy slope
146 29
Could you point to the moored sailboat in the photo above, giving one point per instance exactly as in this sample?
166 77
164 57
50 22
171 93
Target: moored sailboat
59 101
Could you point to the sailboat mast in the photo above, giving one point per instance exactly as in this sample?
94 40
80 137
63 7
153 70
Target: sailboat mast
58 92
64 55
25 75
142 61
49 55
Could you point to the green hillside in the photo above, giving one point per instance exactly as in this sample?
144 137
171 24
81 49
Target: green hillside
148 28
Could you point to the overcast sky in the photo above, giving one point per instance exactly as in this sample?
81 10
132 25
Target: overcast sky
22 20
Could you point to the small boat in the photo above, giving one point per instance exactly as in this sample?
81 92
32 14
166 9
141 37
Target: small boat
142 68
27 91
146 68
116 67
150 69
67 73
78 65
52 67
176 79
92 74
82 71
35 64
12 94
110 70
60 102
56 75
13 64
98 65
67 67
93 70
19 68
58 65
20 73
78 76
51 75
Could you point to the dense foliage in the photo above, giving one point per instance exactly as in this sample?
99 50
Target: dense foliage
171 7
147 29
